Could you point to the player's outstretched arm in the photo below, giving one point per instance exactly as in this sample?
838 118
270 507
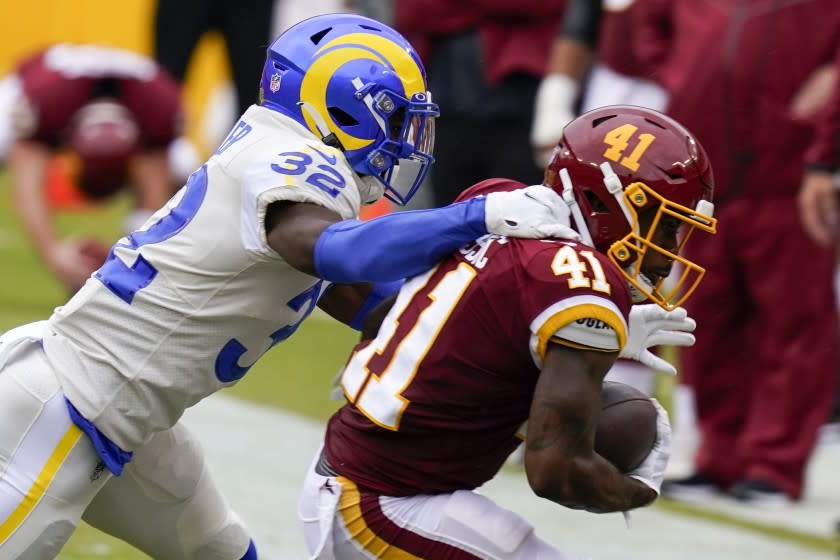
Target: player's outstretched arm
560 460
28 162
314 240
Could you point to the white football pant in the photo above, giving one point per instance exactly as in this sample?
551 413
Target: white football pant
165 502
340 522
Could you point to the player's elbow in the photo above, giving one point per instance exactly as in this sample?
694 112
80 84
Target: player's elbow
549 479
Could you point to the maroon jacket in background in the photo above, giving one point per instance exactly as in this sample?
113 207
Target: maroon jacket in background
516 35
732 68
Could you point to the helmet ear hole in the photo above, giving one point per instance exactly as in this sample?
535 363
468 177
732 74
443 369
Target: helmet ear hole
342 117
595 203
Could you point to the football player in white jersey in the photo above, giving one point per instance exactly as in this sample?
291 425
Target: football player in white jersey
265 230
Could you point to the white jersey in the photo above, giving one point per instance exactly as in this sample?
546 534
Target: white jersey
185 305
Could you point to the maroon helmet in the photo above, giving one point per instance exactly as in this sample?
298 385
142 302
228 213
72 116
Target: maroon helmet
617 161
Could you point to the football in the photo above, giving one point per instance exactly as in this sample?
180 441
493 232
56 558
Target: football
627 426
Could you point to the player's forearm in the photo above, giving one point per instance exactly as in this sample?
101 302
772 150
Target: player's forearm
397 245
569 58
588 482
597 486
28 164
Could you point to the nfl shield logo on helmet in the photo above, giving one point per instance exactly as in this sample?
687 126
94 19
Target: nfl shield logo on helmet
275 83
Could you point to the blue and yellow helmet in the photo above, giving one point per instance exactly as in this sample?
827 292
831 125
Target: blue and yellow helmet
360 86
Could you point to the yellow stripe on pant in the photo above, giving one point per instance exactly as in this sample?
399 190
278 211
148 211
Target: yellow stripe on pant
41 483
351 513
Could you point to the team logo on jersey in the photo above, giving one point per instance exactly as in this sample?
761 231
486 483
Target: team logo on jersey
275 83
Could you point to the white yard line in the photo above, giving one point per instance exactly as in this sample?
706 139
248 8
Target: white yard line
259 455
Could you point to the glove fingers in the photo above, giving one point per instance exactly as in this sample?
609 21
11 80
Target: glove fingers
670 325
681 325
677 314
673 338
656 363
558 231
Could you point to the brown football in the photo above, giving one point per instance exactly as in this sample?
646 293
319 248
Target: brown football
627 426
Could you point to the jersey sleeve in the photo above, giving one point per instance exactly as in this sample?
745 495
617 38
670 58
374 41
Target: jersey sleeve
315 175
577 298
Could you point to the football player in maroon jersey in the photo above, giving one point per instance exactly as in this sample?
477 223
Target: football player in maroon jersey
506 331
115 113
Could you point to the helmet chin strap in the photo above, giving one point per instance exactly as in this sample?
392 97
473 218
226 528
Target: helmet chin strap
327 136
635 293
574 208
370 189
615 188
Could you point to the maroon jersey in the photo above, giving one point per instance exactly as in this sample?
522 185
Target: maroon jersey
616 26
59 81
437 399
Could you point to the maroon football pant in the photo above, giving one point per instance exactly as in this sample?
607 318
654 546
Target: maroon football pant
764 366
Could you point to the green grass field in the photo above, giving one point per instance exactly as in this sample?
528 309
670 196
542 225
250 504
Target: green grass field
295 376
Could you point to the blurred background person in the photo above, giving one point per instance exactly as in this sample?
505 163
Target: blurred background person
113 113
244 30
245 26
485 60
819 207
590 66
740 74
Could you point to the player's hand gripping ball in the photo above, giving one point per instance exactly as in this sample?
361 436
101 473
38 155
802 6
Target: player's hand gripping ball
627 426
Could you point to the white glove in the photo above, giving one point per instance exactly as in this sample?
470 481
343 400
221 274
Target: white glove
650 325
652 470
534 212
553 110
